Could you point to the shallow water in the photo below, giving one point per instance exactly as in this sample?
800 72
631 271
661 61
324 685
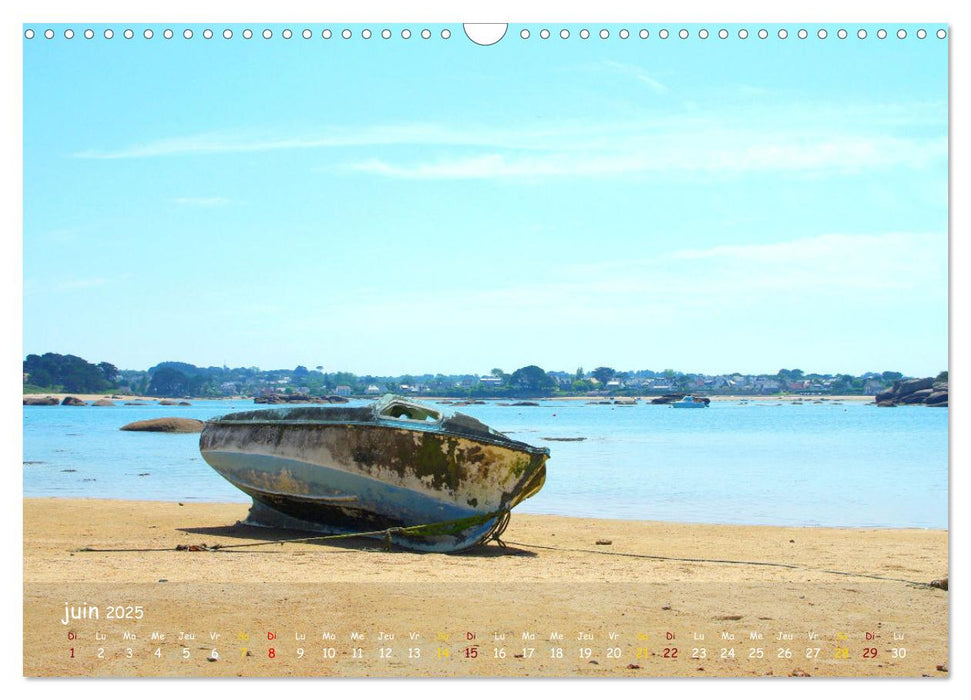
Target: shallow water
827 464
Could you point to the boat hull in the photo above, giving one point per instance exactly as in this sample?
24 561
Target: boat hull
342 478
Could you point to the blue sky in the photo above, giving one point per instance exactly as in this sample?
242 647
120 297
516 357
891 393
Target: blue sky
391 206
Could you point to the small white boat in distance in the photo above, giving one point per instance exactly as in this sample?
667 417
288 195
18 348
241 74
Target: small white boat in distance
690 402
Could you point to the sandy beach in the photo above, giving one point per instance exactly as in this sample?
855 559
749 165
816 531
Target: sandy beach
660 599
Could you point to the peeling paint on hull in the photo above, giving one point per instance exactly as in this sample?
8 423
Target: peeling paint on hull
305 470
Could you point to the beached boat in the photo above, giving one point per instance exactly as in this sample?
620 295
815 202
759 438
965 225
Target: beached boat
391 464
690 402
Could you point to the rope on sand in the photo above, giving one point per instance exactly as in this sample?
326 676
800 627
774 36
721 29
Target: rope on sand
456 526
742 562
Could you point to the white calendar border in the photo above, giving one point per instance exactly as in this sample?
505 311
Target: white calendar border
437 11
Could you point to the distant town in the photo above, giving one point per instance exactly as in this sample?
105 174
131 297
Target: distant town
55 373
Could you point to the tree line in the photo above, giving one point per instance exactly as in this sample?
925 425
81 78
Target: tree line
69 373
52 372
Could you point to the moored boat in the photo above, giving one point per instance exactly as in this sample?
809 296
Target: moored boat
690 402
386 466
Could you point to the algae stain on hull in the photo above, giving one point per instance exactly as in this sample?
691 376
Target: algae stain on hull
453 468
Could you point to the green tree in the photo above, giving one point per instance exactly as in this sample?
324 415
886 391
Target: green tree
109 370
604 374
169 381
581 386
70 372
843 383
531 380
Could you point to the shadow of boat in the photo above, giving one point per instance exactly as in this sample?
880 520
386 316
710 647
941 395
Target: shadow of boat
269 536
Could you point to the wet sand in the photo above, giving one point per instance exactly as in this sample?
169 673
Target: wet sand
661 599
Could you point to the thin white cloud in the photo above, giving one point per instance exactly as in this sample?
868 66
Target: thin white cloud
640 74
223 142
905 248
713 152
807 139
77 284
828 267
71 284
729 122
750 90
61 235
888 248
819 275
497 165
544 136
202 201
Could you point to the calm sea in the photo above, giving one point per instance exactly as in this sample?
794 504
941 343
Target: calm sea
826 464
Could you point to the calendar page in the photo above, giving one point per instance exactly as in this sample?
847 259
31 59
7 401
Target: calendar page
414 349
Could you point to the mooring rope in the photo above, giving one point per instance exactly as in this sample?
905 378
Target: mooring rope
447 527
456 526
692 560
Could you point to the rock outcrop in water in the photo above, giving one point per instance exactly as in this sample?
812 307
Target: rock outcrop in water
279 398
41 401
103 402
298 398
166 425
926 391
72 401
671 398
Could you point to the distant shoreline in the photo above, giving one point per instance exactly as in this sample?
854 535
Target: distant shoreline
643 398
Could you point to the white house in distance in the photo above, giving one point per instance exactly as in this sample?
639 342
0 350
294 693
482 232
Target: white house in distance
372 389
491 381
343 390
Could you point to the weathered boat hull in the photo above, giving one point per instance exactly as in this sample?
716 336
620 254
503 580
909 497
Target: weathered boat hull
318 472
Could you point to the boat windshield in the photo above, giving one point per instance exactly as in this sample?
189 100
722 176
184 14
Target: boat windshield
403 410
